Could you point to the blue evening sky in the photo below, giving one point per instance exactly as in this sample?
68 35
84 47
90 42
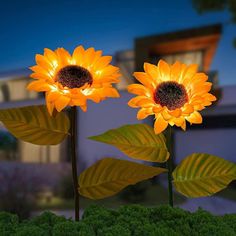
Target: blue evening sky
29 26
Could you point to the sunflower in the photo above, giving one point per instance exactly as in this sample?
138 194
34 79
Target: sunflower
70 80
173 93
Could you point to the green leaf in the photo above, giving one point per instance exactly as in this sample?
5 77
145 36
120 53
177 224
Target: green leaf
108 176
33 124
200 175
137 141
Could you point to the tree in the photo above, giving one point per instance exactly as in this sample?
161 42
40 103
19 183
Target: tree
204 6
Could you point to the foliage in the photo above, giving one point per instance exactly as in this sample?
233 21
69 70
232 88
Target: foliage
204 6
137 141
200 175
33 124
129 220
108 176
197 175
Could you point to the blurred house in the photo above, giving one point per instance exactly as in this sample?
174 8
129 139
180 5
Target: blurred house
13 93
216 135
193 46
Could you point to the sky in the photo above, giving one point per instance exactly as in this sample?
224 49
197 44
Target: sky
27 27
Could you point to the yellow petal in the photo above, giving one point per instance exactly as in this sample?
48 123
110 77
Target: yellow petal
160 124
210 97
188 73
176 113
95 98
88 58
43 62
183 126
187 109
40 76
53 95
83 108
152 70
199 78
111 92
78 55
103 62
195 118
143 78
38 86
61 103
52 57
164 70
157 108
166 115
138 89
39 69
79 102
178 121
63 56
133 102
175 70
144 113
50 107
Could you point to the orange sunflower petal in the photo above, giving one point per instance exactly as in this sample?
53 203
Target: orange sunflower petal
152 70
59 94
164 70
160 124
63 56
144 113
51 56
194 118
50 107
197 95
61 103
38 86
175 71
143 78
43 62
138 89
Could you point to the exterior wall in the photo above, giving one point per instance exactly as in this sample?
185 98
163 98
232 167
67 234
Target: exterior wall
108 114
219 142
113 113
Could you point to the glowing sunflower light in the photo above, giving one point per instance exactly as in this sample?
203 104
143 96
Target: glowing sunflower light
173 93
70 80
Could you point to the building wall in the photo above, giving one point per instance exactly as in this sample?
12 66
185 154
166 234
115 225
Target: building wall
113 113
109 114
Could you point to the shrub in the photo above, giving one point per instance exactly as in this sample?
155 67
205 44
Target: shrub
131 220
31 230
8 223
71 228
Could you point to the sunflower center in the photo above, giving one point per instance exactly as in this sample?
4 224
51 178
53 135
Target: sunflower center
170 94
74 76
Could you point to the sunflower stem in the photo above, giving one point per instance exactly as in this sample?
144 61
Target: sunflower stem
74 158
170 164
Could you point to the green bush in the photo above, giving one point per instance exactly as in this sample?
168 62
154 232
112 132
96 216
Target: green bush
132 220
31 230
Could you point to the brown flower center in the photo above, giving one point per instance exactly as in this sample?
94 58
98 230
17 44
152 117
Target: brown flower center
170 94
74 76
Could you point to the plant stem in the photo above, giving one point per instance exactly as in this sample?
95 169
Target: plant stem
74 157
169 164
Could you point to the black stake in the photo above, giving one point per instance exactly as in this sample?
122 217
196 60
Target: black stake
74 158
